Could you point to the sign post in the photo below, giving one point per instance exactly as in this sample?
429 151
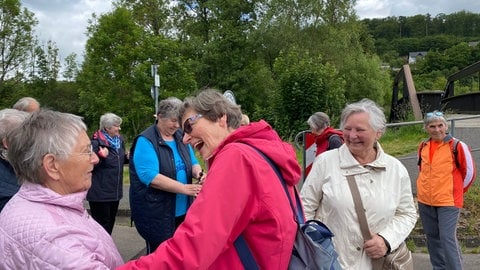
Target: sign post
155 86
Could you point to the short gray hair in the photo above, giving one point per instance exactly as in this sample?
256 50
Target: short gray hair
25 103
433 117
109 120
9 119
377 116
169 108
43 132
213 105
318 121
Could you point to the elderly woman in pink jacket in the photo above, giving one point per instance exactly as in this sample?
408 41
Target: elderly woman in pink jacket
44 225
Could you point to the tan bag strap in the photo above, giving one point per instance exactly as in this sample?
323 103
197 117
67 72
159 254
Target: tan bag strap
362 218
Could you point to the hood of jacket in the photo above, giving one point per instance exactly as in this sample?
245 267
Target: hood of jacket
262 136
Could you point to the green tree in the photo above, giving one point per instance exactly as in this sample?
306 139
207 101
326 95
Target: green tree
304 87
71 68
115 76
16 40
47 64
152 15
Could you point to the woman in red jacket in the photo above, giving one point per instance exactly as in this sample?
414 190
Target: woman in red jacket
327 138
241 194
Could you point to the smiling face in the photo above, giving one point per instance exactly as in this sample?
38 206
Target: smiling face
75 172
205 135
437 130
113 131
167 126
359 135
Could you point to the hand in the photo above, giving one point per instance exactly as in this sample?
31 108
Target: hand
192 189
201 177
375 247
103 151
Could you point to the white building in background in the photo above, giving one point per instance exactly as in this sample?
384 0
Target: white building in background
414 56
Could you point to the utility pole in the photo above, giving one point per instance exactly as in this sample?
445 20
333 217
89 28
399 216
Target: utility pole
155 86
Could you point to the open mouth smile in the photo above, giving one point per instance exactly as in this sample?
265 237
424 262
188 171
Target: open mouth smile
198 145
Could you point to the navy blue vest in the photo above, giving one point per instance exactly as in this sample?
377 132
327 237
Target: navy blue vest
153 210
8 182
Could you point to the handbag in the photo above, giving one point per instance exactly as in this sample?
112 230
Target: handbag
398 259
313 246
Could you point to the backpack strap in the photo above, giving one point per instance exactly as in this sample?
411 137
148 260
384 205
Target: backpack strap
243 250
419 159
245 254
454 151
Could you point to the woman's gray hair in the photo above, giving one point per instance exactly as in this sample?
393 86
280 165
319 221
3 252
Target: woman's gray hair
43 132
9 119
318 121
169 108
377 117
433 117
213 105
25 104
109 120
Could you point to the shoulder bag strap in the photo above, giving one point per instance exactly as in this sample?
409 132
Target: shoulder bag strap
362 218
377 264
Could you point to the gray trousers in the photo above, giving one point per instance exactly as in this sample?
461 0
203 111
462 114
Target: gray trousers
440 227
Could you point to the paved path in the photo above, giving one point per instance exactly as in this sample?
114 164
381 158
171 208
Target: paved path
131 245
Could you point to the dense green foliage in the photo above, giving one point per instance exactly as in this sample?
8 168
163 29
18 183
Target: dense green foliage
283 59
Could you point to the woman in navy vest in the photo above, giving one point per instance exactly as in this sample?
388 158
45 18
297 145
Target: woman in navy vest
161 171
107 179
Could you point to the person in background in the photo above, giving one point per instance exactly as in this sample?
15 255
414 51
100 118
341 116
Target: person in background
45 225
245 120
161 172
107 180
27 104
327 138
443 178
242 195
9 119
384 185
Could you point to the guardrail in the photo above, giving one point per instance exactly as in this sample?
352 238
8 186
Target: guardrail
299 144
452 126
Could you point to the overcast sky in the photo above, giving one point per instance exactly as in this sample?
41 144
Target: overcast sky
65 21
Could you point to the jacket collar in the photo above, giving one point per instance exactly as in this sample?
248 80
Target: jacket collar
351 165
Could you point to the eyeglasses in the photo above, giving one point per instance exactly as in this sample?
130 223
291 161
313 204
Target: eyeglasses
89 151
434 113
187 125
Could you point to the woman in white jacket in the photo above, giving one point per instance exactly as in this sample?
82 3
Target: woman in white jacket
383 182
